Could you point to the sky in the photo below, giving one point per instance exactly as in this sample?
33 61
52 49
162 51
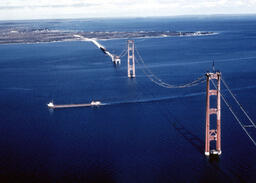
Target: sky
52 9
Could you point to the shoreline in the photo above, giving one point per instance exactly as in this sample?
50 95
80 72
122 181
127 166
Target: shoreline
68 36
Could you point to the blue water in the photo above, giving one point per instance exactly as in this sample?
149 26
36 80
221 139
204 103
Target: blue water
146 133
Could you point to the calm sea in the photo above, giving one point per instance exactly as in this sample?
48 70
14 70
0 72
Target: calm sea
147 133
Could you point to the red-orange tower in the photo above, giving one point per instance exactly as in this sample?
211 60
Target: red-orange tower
213 134
131 59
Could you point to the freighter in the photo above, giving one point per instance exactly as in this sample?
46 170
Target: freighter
93 103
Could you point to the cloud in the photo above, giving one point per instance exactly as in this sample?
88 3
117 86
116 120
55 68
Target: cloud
26 9
44 4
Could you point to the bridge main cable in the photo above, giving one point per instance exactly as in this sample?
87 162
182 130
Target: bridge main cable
161 83
232 111
238 103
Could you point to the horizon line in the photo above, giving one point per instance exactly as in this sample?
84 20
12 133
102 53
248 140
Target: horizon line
140 17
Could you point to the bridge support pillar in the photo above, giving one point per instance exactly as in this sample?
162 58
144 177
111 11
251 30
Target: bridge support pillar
131 59
213 133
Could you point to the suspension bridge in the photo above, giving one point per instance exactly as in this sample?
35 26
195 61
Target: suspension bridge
115 58
213 82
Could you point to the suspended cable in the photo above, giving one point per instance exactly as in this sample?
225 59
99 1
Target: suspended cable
123 53
231 93
240 105
161 83
231 110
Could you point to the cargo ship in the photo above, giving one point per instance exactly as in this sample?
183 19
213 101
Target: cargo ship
51 105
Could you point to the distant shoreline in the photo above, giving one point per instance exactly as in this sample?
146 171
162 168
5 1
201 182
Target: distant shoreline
181 16
24 36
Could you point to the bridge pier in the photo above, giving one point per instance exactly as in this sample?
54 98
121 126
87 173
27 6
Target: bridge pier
131 59
213 134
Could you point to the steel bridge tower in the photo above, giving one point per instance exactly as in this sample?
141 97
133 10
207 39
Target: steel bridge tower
213 134
131 59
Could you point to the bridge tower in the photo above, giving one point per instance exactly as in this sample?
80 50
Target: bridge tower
131 59
213 133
